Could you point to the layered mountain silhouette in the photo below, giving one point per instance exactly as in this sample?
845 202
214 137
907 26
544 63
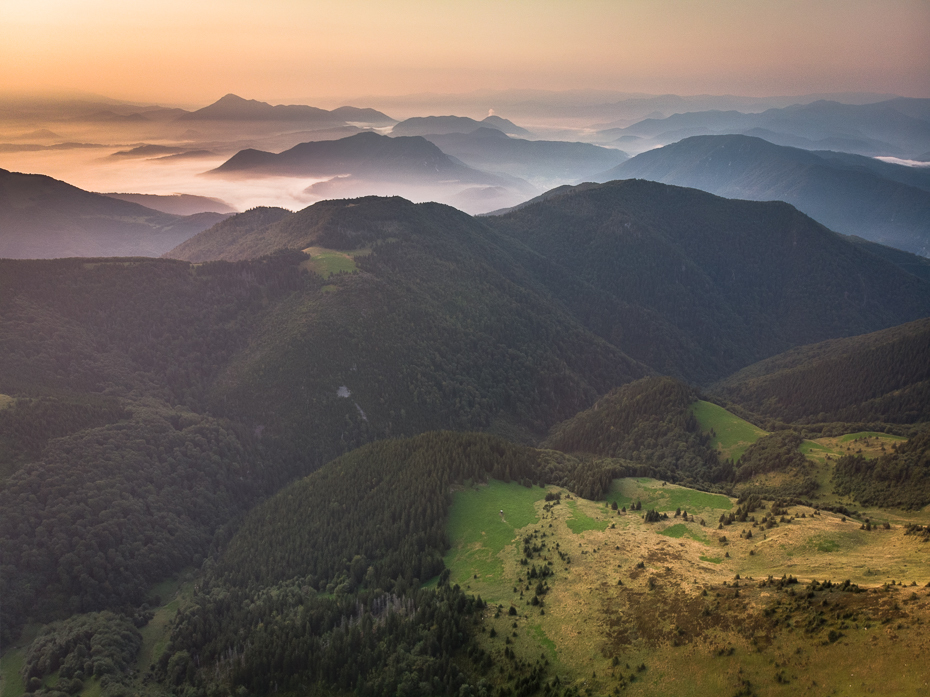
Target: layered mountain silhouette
365 156
540 161
177 204
235 108
897 127
42 218
688 283
442 125
878 201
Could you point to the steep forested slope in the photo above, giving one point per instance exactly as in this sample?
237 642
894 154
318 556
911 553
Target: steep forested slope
444 327
900 478
647 421
43 218
882 376
740 280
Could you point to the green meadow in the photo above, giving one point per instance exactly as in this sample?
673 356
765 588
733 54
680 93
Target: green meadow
480 532
732 435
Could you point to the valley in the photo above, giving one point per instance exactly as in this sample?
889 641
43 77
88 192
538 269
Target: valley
607 438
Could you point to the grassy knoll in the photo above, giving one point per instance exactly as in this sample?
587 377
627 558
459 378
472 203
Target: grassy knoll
326 262
692 603
732 435
6 401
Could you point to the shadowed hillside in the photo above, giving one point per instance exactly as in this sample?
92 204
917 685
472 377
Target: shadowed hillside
881 202
42 218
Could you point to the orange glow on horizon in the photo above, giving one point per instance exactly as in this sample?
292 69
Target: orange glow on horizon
194 52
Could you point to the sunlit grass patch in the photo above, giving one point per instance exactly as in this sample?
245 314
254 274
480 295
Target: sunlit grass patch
680 530
869 444
651 493
6 401
326 262
581 522
732 435
480 532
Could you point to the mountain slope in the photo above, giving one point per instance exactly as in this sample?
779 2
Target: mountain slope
852 195
235 108
231 239
364 156
538 161
882 376
41 217
738 278
442 125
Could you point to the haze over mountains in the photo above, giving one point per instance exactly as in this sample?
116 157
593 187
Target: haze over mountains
41 217
855 195
279 420
897 127
488 163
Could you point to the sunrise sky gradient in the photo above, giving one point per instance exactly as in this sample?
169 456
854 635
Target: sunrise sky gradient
191 52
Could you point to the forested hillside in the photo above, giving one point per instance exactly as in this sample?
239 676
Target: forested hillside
739 280
649 422
342 554
148 405
878 377
690 284
900 478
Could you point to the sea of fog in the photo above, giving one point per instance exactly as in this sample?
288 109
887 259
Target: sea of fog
94 170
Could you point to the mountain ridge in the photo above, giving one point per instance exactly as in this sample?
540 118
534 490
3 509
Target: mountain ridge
43 217
884 203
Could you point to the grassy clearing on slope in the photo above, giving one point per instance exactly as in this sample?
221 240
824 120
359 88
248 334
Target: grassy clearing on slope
680 530
664 595
869 444
480 532
155 634
6 401
665 497
581 522
326 262
733 435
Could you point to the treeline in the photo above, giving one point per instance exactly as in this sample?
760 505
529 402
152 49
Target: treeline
899 479
321 586
373 518
648 422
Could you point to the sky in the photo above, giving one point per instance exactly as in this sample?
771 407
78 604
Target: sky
191 52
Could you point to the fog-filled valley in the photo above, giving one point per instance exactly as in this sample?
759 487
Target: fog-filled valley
491 394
